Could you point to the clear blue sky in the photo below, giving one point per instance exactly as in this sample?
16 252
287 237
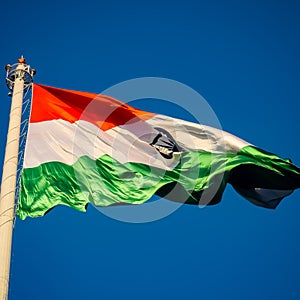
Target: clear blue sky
243 57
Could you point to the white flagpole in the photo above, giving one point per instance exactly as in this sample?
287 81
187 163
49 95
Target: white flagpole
18 78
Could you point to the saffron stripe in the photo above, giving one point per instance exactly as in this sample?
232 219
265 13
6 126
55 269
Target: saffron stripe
49 103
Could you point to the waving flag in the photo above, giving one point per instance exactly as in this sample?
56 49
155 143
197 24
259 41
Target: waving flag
86 148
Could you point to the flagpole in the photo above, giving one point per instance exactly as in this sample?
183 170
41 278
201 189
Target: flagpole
18 79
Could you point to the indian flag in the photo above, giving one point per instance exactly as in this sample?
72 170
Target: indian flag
87 148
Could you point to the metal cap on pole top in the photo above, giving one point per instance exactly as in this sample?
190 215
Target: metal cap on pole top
13 72
19 78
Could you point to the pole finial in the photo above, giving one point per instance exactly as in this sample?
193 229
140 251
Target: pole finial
19 70
21 60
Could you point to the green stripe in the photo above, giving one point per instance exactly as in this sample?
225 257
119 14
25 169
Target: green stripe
107 182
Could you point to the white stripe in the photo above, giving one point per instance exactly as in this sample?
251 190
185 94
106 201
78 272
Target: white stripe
65 142
198 137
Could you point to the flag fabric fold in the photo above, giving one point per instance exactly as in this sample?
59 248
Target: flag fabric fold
86 148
